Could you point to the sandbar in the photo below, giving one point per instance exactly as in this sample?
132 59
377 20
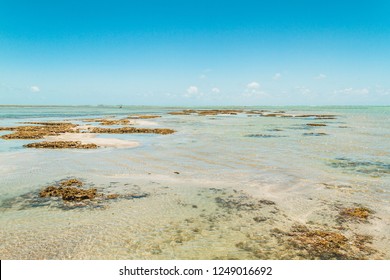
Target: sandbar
90 138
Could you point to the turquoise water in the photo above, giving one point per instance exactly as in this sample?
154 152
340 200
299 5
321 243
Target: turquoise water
307 171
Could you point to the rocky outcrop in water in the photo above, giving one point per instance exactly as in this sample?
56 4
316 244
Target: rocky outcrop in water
61 145
316 124
39 131
125 130
144 117
355 214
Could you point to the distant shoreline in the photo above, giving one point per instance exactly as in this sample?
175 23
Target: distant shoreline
195 106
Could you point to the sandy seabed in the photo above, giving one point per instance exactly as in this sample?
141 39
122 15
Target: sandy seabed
236 186
92 138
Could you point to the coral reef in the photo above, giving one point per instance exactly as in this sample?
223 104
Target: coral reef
72 194
71 182
359 214
69 190
327 244
123 130
314 134
144 117
68 193
109 121
38 131
116 122
61 145
316 124
264 113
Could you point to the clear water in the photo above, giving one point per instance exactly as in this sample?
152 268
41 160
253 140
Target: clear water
309 178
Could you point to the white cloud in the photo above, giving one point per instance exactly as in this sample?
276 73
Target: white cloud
305 91
253 91
382 91
35 89
277 76
253 86
192 90
216 90
320 77
353 91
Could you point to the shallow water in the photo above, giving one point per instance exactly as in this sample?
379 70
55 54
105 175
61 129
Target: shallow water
193 177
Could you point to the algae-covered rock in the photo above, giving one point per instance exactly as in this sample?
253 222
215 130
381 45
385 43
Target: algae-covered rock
315 134
115 122
61 145
39 130
316 124
322 243
355 213
125 130
71 182
144 117
68 193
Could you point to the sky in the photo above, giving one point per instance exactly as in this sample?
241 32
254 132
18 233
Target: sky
195 53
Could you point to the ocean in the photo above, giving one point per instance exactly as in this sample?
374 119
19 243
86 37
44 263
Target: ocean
223 186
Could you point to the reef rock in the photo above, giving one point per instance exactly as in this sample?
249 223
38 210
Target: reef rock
61 145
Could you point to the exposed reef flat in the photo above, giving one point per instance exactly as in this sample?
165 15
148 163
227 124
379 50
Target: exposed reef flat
316 124
128 130
144 116
264 113
39 130
61 145
67 135
229 184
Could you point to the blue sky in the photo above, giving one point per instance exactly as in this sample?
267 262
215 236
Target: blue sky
195 52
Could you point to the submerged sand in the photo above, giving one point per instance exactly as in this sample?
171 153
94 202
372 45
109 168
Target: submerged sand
267 186
91 138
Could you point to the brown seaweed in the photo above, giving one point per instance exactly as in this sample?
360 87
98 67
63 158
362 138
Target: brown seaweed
125 130
61 145
39 131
